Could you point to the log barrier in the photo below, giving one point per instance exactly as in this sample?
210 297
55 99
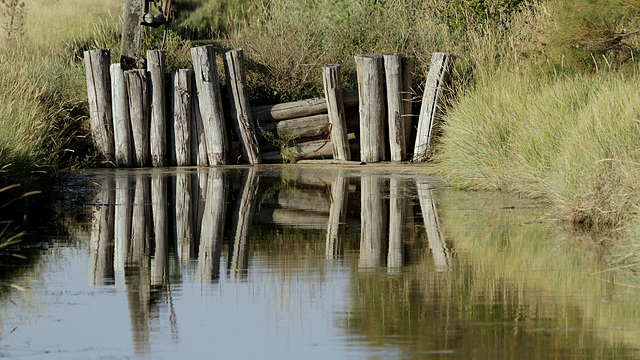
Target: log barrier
135 121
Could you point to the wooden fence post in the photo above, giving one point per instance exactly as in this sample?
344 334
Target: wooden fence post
372 107
240 107
332 80
436 80
199 154
407 92
131 32
181 82
121 121
158 133
99 93
395 108
137 91
210 104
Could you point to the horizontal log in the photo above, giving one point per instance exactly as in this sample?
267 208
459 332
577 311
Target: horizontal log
300 108
316 149
292 217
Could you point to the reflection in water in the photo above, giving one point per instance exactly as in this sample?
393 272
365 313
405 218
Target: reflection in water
279 237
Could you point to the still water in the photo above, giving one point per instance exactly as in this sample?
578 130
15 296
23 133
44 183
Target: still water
302 262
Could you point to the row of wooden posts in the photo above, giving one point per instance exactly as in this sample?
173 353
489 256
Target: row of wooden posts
132 126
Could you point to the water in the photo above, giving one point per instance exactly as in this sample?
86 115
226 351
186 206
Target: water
283 263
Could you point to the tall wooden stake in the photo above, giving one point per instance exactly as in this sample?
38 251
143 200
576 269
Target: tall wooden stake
395 108
158 134
181 80
121 121
332 80
99 93
372 107
138 92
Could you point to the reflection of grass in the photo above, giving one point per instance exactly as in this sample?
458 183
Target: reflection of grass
9 236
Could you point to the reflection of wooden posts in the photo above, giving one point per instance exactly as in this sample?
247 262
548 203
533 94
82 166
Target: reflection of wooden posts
396 218
121 122
101 257
395 106
431 103
138 93
373 222
441 254
407 92
99 94
335 106
337 216
240 107
372 107
212 227
159 208
210 104
198 193
140 223
181 85
239 259
122 220
158 133
184 216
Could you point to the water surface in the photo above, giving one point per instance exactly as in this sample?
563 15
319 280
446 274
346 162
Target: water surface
298 262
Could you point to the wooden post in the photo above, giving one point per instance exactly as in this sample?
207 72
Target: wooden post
212 227
407 92
101 255
131 32
333 93
159 262
373 220
210 104
395 107
337 216
240 107
181 82
396 222
122 232
137 91
99 94
372 107
121 122
199 154
439 248
431 103
158 132
239 258
184 217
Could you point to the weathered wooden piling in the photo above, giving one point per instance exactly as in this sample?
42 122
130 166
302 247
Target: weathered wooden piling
181 84
314 149
408 65
158 131
121 121
99 94
395 106
372 104
431 103
332 80
131 32
199 155
240 107
139 107
210 104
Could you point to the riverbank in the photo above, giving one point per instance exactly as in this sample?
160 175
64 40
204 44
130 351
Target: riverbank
544 103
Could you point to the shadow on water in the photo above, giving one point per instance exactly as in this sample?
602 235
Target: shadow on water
392 262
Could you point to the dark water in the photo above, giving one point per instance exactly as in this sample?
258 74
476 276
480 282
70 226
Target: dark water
311 263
